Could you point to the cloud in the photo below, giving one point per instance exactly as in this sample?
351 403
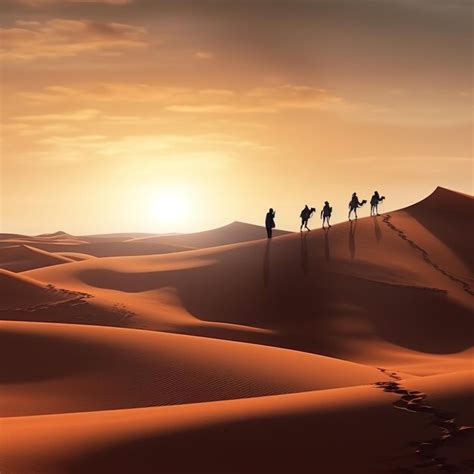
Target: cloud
204 55
39 3
416 108
66 38
192 100
78 115
156 148
264 100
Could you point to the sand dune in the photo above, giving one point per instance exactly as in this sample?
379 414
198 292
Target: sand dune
76 256
116 237
19 258
58 235
267 353
127 244
335 284
6 236
95 248
448 215
19 291
144 368
352 429
232 233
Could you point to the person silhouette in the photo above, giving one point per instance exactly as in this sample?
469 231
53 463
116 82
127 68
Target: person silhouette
270 222
326 213
354 204
374 203
305 215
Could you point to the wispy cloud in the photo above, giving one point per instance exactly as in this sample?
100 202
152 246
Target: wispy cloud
204 55
192 100
57 38
39 3
164 148
74 116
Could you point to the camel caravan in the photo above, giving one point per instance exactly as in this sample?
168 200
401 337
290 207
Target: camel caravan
326 212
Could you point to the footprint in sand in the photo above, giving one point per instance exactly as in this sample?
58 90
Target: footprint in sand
414 401
426 257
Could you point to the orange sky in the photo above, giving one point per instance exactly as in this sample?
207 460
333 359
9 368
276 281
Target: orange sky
219 109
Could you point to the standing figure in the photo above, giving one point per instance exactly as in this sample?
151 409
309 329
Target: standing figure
305 215
270 222
374 203
326 213
354 204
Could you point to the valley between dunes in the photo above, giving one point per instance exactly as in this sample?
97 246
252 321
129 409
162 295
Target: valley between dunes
333 351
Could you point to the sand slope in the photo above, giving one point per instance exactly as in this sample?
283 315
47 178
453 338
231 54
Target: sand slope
20 258
310 292
247 355
109 245
143 368
348 429
19 291
232 233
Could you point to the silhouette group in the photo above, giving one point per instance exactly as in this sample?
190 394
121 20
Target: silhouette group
326 212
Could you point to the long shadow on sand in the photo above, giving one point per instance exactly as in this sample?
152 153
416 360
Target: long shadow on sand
301 310
429 451
352 239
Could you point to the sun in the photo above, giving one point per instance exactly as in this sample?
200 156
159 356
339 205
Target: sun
170 207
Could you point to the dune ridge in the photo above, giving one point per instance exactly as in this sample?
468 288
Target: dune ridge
20 258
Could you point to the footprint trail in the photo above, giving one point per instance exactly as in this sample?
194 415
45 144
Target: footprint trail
426 257
429 451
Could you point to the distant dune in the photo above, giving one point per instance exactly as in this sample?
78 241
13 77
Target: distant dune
19 258
338 350
126 244
230 234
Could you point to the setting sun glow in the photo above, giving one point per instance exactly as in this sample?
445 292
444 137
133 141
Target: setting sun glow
135 101
169 208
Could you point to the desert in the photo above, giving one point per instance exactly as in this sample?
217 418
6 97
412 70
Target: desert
340 350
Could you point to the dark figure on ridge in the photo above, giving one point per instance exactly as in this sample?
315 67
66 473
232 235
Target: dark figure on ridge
326 213
374 203
354 204
270 222
305 215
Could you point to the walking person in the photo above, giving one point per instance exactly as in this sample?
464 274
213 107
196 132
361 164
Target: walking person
374 203
326 212
305 215
354 204
270 222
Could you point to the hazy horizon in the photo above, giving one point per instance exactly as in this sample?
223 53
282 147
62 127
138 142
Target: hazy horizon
314 223
159 116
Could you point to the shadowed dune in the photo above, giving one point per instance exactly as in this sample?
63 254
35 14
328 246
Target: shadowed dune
449 216
20 258
374 285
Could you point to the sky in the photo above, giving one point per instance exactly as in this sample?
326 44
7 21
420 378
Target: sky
183 115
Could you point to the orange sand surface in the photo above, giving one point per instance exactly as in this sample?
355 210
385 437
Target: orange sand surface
224 352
